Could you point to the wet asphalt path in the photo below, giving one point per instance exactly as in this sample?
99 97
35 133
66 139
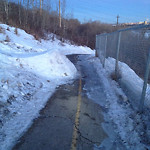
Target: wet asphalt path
70 121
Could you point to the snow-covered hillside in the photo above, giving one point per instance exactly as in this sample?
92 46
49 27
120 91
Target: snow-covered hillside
29 73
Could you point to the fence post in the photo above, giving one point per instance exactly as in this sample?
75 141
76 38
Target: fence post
105 51
117 56
96 48
141 104
99 46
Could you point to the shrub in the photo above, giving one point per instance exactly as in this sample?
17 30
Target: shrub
16 31
7 39
2 30
8 29
37 37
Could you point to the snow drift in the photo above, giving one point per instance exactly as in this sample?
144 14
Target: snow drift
129 81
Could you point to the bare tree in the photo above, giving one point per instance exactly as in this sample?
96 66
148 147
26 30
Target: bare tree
6 10
19 4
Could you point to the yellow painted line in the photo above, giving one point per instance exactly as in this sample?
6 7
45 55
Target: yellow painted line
76 126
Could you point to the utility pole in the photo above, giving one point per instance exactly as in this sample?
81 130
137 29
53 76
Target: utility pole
118 19
59 15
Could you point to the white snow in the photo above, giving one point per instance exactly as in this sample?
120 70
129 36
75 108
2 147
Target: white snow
49 65
30 70
147 34
129 77
130 129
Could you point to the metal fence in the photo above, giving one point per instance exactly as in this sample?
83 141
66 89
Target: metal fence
131 46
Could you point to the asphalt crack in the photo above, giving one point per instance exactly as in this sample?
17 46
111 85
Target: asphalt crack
85 138
81 136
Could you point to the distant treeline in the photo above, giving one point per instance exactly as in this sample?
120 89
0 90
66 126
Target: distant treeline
31 16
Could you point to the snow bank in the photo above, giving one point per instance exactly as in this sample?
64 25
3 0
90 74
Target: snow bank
30 70
130 81
127 124
22 95
50 65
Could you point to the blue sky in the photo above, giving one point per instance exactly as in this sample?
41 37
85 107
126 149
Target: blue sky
107 10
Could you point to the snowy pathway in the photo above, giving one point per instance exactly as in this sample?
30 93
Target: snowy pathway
58 121
72 118
30 72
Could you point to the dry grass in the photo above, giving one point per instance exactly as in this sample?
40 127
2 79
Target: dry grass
8 29
115 76
37 37
7 39
16 31
2 30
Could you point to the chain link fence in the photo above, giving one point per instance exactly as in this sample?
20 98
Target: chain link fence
132 47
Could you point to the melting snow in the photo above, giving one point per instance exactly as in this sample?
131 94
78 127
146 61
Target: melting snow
30 70
131 127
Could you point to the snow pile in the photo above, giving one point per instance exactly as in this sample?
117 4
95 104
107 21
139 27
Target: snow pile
126 122
130 79
18 89
30 70
49 65
126 72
